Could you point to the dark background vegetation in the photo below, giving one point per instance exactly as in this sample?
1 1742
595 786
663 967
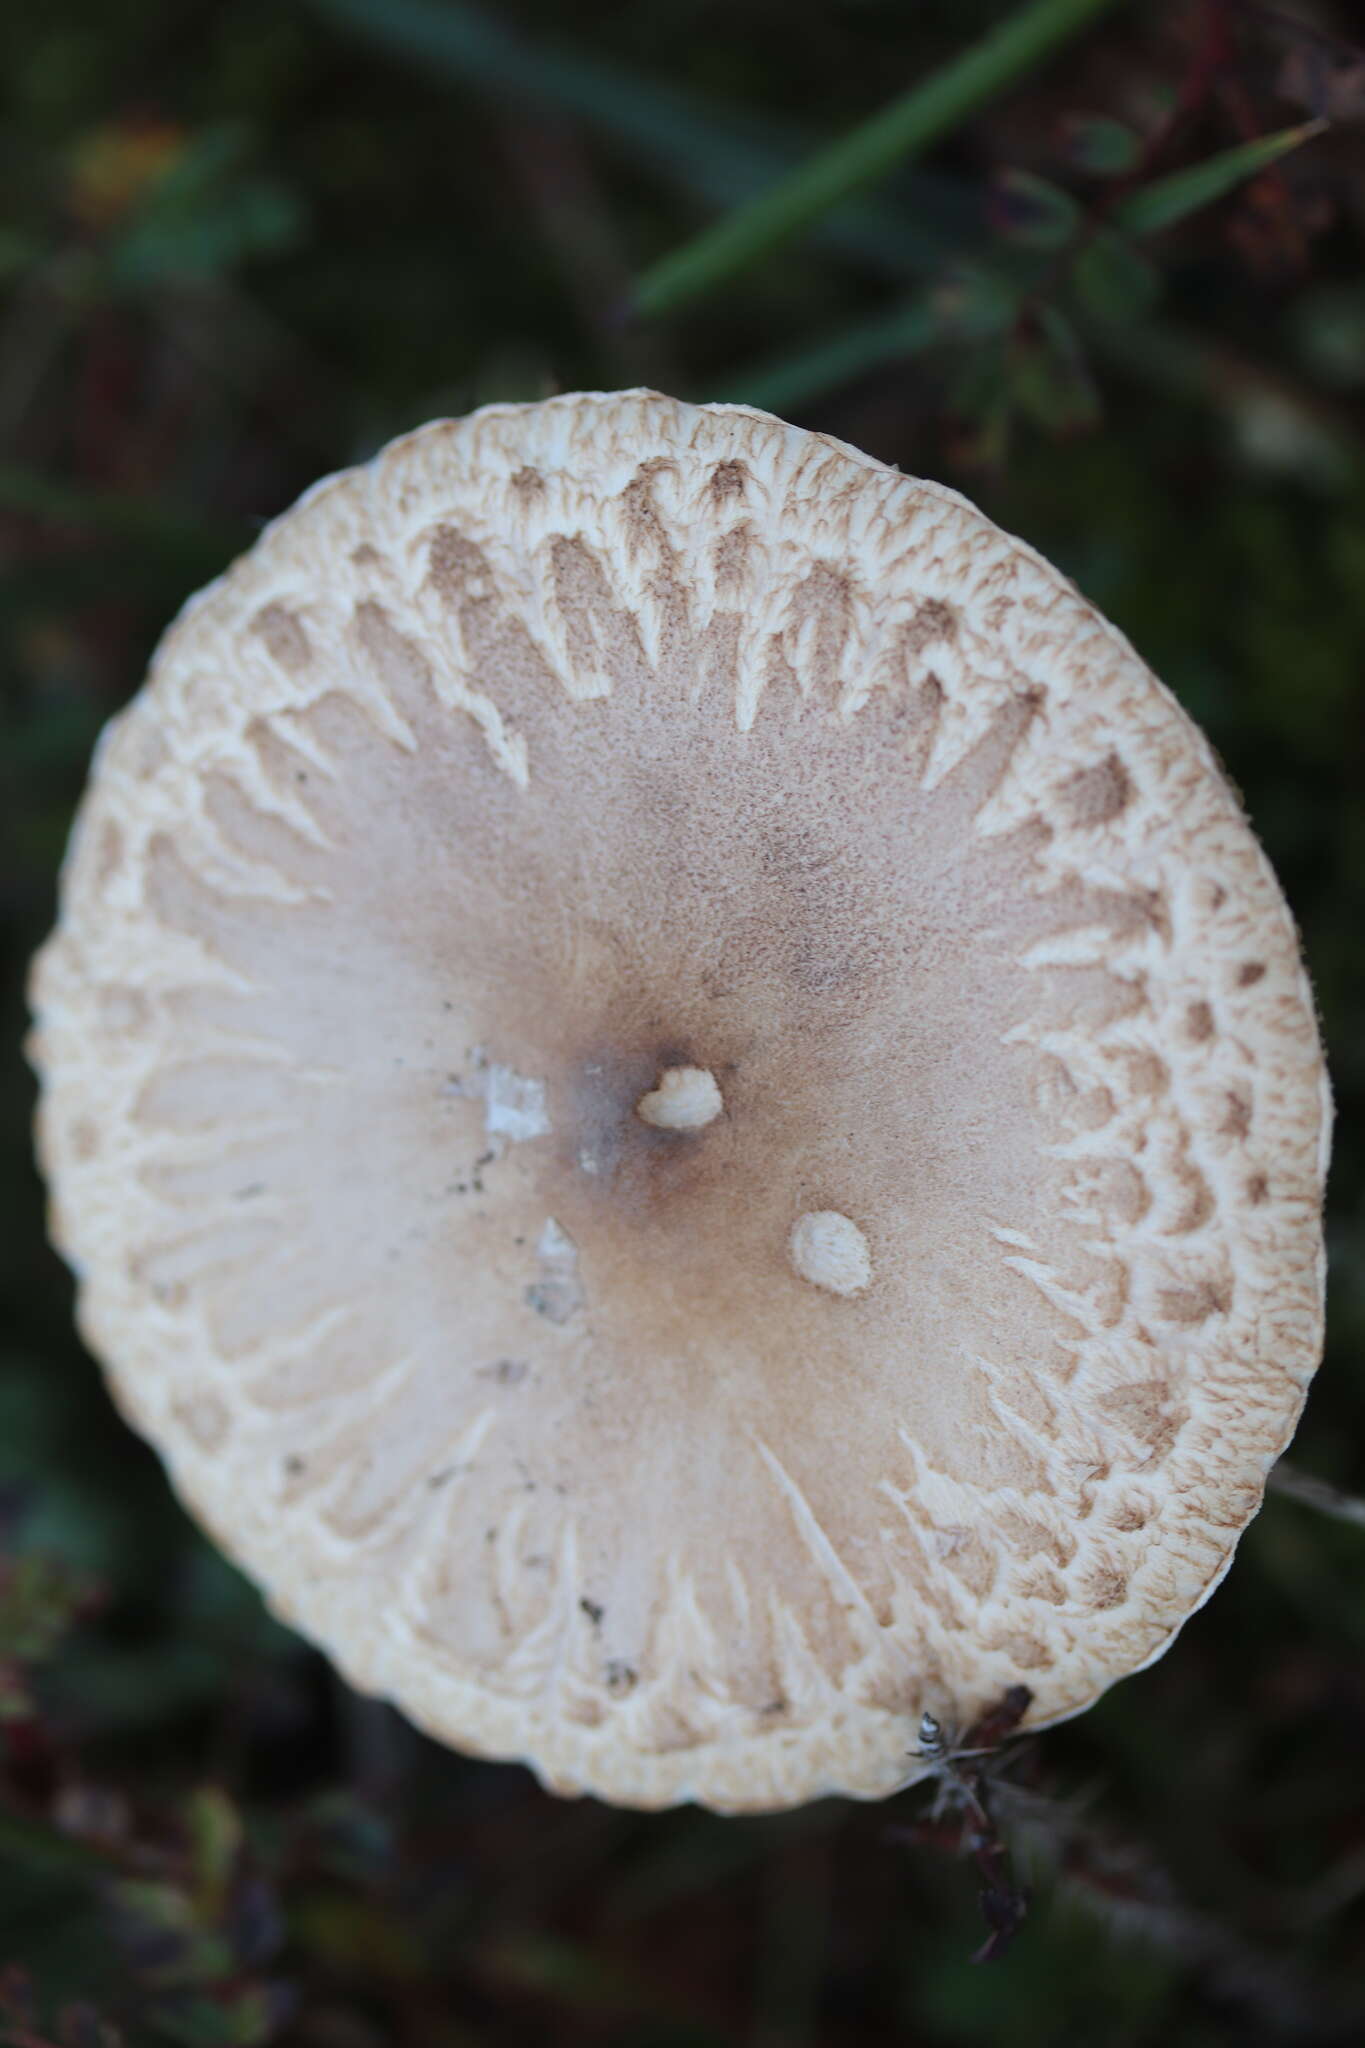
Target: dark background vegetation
243 244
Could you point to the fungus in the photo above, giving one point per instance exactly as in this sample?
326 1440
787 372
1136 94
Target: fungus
637 1070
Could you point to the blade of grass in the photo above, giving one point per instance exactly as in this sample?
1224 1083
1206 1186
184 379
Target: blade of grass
910 124
1168 200
721 154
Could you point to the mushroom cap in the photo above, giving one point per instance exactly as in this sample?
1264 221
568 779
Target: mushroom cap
933 1335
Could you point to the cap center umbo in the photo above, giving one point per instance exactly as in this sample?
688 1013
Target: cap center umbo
651 1125
681 1141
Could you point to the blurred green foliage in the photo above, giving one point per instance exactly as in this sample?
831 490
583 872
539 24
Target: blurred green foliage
243 243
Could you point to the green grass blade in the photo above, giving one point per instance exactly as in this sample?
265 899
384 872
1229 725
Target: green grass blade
1168 200
912 123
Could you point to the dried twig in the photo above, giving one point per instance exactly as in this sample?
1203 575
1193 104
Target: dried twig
963 1771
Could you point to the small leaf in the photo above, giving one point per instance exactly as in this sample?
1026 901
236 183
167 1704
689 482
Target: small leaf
1113 280
216 1841
1100 146
154 1904
1032 211
973 303
40 1601
1168 200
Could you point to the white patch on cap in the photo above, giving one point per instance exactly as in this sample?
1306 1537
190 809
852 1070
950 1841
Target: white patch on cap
558 1294
513 1104
685 1099
831 1252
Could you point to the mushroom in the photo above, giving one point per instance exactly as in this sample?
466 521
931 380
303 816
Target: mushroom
684 1104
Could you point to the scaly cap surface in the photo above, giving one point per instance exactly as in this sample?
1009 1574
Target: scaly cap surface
684 1104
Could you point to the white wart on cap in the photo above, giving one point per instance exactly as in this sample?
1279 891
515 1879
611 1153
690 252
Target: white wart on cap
684 1104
